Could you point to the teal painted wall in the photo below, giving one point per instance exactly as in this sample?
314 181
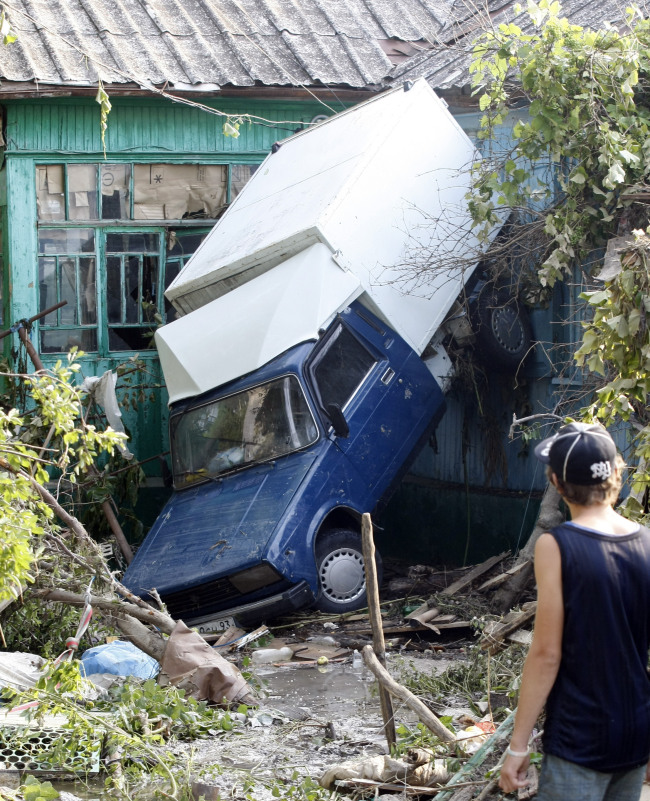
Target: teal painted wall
139 126
139 130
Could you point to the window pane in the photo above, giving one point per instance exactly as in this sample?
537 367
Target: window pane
132 273
134 338
68 290
115 197
88 291
179 249
341 367
114 289
47 288
132 243
240 174
50 184
66 240
256 425
82 191
133 294
61 340
177 191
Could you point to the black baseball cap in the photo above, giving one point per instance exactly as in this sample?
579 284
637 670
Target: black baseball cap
579 453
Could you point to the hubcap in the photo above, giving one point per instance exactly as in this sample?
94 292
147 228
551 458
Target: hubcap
342 576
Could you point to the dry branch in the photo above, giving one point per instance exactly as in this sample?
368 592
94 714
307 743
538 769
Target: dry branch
406 696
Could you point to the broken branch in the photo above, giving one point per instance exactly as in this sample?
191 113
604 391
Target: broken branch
406 696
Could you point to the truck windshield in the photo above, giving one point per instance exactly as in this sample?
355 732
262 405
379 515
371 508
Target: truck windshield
256 425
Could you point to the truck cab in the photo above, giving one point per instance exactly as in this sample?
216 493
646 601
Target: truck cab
273 471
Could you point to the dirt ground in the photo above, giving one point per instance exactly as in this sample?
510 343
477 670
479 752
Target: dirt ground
311 718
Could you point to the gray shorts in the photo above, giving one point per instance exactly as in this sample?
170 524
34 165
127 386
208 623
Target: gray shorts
565 781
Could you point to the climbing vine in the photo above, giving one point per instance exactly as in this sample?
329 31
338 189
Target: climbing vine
576 178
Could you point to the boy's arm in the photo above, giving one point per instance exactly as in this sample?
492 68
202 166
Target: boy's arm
543 660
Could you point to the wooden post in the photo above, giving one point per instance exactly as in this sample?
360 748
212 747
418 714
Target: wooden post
378 644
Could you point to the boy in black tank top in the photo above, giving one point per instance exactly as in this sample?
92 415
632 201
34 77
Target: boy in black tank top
588 660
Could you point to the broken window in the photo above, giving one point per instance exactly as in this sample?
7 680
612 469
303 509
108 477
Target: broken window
136 191
67 272
113 280
180 246
132 278
240 174
340 368
179 191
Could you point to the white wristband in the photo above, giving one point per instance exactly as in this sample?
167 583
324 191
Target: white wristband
520 754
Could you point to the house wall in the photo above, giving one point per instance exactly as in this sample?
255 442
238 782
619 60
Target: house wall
140 131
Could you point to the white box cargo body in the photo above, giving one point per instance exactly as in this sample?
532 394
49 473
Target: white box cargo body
382 186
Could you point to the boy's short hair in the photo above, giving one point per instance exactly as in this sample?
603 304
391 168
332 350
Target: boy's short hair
591 494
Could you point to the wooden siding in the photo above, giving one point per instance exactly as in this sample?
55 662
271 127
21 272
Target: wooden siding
71 128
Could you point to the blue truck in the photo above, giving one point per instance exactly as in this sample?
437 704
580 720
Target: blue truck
308 365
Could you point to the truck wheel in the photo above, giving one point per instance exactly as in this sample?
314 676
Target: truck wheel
502 328
341 575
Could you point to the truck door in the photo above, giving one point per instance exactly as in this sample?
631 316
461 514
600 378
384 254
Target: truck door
385 400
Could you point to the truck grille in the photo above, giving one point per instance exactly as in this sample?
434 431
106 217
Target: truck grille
213 597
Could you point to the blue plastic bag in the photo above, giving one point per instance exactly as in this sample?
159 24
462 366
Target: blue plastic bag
119 658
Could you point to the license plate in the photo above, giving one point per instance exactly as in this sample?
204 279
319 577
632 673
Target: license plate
217 626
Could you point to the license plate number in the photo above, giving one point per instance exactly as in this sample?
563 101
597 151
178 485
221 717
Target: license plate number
217 626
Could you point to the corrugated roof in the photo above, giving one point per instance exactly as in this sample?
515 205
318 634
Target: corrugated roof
446 66
205 45
214 43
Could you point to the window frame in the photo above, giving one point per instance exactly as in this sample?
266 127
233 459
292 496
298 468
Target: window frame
325 345
199 226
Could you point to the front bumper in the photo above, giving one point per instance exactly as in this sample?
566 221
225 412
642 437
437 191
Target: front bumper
252 614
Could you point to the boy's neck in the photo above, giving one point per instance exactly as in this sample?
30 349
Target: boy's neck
600 517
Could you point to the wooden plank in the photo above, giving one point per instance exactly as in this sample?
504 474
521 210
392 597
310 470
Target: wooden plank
403 629
496 581
473 574
493 639
521 637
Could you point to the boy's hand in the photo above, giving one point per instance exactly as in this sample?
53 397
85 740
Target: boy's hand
513 773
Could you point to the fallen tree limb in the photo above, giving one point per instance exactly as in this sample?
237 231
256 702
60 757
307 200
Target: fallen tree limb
113 605
406 696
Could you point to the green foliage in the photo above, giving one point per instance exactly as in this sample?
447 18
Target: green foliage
6 31
588 95
33 790
70 449
161 712
473 680
232 125
105 107
589 122
616 345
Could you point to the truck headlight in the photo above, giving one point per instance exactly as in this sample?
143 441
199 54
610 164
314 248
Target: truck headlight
254 578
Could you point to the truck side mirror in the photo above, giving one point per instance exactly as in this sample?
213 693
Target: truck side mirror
338 421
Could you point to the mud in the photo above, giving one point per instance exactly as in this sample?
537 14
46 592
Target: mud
310 719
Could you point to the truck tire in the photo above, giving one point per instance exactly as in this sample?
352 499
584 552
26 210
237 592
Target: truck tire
341 574
502 329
